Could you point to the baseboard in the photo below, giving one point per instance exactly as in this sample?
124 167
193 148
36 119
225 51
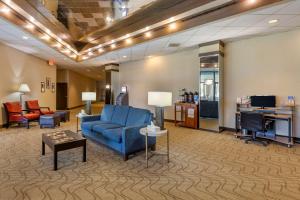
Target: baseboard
170 120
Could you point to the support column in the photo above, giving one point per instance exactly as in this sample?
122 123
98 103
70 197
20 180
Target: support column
111 83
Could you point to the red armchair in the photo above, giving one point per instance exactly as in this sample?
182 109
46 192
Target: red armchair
14 114
34 107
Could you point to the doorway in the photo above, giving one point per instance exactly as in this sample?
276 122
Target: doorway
61 96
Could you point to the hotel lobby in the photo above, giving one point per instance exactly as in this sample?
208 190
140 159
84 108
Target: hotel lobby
149 99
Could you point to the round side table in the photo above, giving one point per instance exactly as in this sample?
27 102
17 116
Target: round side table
146 133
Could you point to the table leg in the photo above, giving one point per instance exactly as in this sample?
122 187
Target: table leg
146 139
168 142
43 148
55 159
76 124
84 153
290 133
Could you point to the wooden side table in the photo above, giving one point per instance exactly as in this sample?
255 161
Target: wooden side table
146 133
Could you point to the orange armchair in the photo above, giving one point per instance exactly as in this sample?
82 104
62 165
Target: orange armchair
34 107
14 114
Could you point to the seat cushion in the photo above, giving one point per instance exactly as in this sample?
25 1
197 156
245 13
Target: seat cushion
100 128
107 113
113 134
120 115
31 116
89 125
137 116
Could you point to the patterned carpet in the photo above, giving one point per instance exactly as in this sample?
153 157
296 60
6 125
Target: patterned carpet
202 166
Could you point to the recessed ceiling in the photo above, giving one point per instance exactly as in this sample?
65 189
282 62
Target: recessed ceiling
239 26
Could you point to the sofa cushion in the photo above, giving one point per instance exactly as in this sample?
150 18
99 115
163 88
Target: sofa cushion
100 128
107 113
137 116
120 115
89 125
113 134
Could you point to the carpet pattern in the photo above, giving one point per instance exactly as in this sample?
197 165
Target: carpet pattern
202 166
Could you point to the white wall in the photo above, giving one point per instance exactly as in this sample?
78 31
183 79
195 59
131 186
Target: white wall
17 67
263 65
260 65
162 73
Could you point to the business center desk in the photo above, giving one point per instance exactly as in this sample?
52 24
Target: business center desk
283 126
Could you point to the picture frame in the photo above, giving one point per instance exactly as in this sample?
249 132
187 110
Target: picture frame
48 82
53 87
43 88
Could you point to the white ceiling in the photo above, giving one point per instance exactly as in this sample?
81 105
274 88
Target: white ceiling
246 25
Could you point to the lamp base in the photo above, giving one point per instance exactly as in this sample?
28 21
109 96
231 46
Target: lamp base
88 107
159 117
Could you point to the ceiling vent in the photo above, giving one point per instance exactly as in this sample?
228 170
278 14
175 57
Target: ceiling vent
173 45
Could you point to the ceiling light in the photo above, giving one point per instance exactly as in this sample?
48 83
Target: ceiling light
148 34
128 41
124 56
25 37
58 45
108 19
84 57
127 35
273 21
31 19
45 37
5 10
67 51
147 28
173 26
100 50
48 31
172 19
113 46
29 26
59 39
90 53
251 1
73 55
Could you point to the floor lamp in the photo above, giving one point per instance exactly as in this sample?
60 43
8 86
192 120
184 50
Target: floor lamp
88 97
160 100
24 88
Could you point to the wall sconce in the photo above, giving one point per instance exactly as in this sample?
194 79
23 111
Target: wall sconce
107 86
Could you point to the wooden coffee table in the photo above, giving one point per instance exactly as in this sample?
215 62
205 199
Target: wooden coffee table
63 140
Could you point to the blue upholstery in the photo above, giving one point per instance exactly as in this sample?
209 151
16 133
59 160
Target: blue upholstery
99 128
120 115
118 128
137 116
90 124
113 134
107 113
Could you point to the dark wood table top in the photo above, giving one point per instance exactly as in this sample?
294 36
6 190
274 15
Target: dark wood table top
60 138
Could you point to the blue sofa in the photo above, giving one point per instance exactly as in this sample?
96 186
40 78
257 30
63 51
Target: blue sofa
118 128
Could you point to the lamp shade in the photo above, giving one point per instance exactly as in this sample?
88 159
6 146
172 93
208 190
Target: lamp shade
24 88
88 96
160 99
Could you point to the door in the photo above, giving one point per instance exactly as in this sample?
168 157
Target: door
61 96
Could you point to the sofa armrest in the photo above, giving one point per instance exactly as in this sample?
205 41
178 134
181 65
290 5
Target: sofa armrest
133 140
91 118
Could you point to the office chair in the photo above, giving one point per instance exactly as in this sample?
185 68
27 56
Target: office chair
253 122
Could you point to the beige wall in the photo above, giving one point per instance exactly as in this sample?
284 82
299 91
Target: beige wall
17 67
263 65
162 73
76 85
268 65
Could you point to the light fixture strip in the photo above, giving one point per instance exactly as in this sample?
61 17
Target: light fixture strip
31 20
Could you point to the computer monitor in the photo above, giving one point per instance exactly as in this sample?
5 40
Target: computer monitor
263 101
